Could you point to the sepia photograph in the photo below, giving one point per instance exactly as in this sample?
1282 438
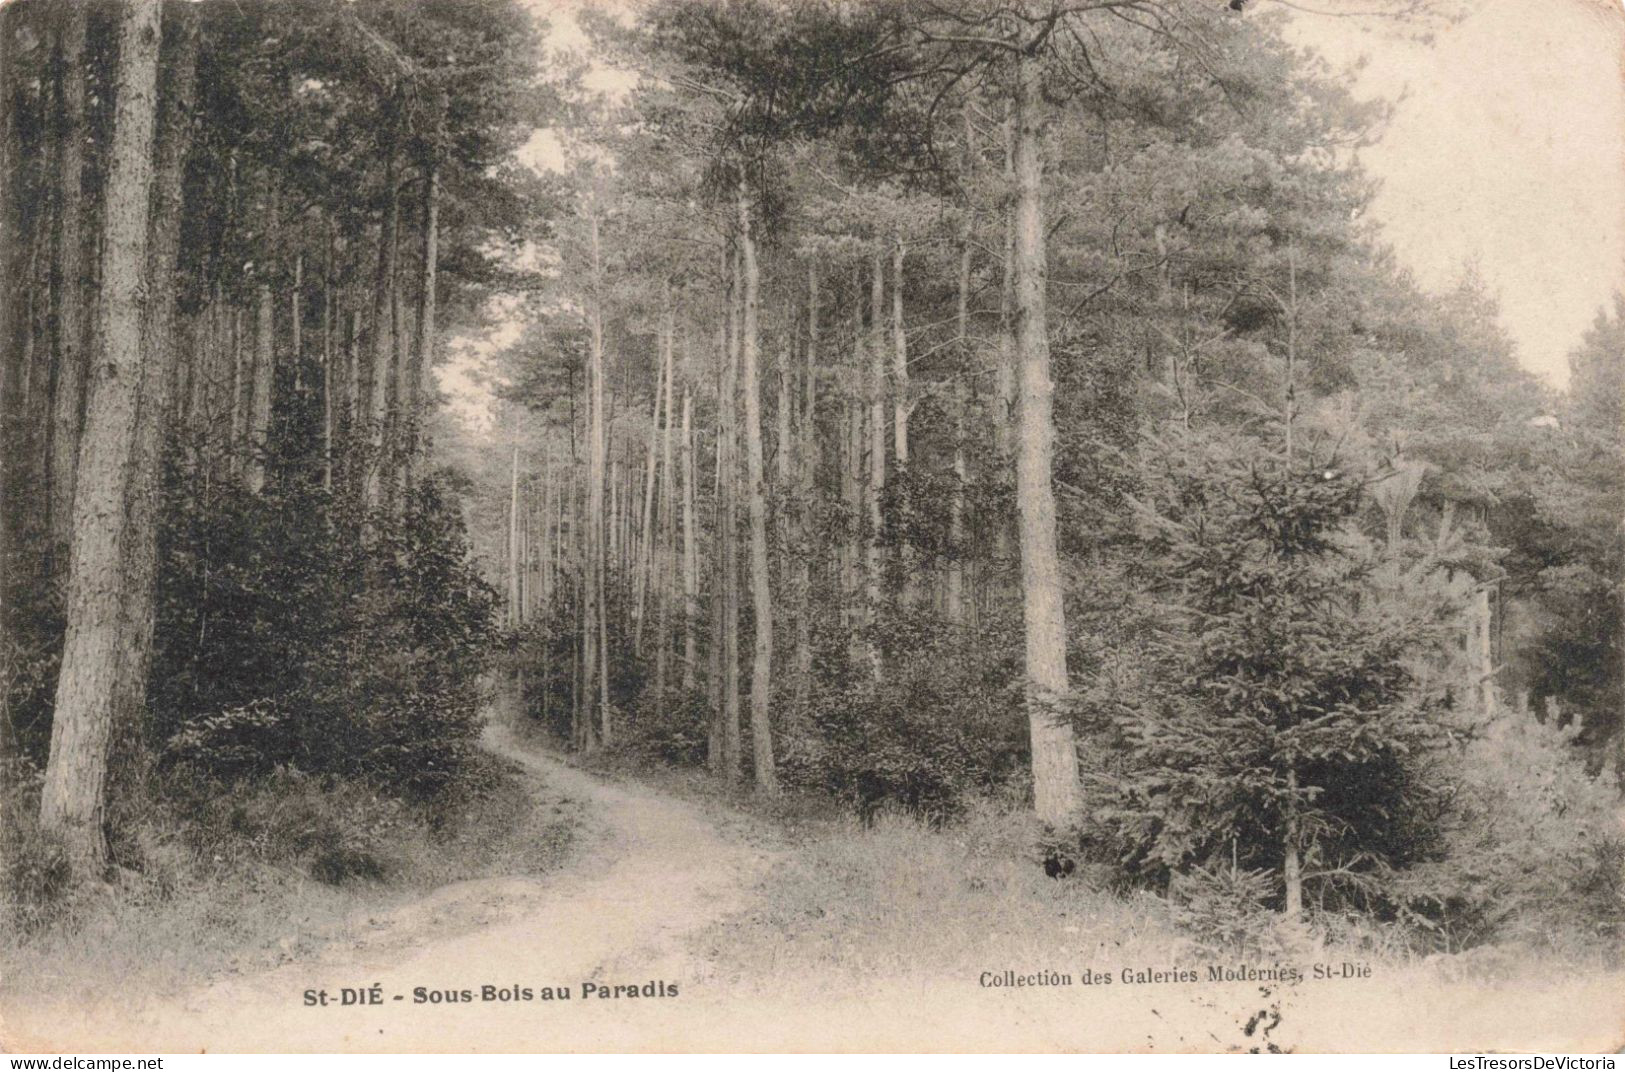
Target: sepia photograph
776 526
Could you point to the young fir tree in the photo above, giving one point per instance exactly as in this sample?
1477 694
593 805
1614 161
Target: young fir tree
1280 719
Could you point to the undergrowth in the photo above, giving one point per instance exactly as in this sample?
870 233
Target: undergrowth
857 904
248 880
896 897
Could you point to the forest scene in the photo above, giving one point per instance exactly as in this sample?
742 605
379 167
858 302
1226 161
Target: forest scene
766 497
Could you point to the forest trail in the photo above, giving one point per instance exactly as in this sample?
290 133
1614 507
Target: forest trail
649 870
649 874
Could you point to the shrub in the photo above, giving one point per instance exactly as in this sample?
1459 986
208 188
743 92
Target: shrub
333 831
36 874
673 731
1531 851
1270 689
238 742
295 631
924 740
1223 910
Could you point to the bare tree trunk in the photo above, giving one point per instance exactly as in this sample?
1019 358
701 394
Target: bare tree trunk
877 464
296 323
1005 374
354 404
383 319
783 458
582 652
526 552
242 397
761 678
1054 754
899 366
728 482
902 407
668 535
10 371
955 595
853 480
601 728
513 533
806 471
73 797
354 408
328 381
716 747
13 425
545 576
203 404
423 351
1006 416
260 386
691 551
586 726
614 523
400 348
646 542
68 278
174 134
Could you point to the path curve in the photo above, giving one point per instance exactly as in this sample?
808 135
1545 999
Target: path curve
651 873
654 870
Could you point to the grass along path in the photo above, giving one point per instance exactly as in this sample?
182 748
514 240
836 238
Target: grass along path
649 870
844 938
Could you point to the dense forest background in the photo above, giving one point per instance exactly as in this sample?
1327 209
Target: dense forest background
915 404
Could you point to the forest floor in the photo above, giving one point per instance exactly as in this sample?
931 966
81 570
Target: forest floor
812 936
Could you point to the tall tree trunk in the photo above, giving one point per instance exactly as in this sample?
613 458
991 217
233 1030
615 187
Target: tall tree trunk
955 595
545 576
853 486
262 382
383 319
877 464
902 408
646 542
1005 405
691 550
585 651
72 800
668 536
599 728
355 404
241 394
615 563
523 507
807 472
423 350
787 508
10 369
715 746
727 485
296 323
1054 754
899 367
395 409
1004 374
761 678
174 134
329 381
68 277
513 532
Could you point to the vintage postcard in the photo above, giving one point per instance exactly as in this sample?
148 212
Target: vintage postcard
812 525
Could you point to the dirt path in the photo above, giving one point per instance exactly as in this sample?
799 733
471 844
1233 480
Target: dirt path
653 870
652 873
